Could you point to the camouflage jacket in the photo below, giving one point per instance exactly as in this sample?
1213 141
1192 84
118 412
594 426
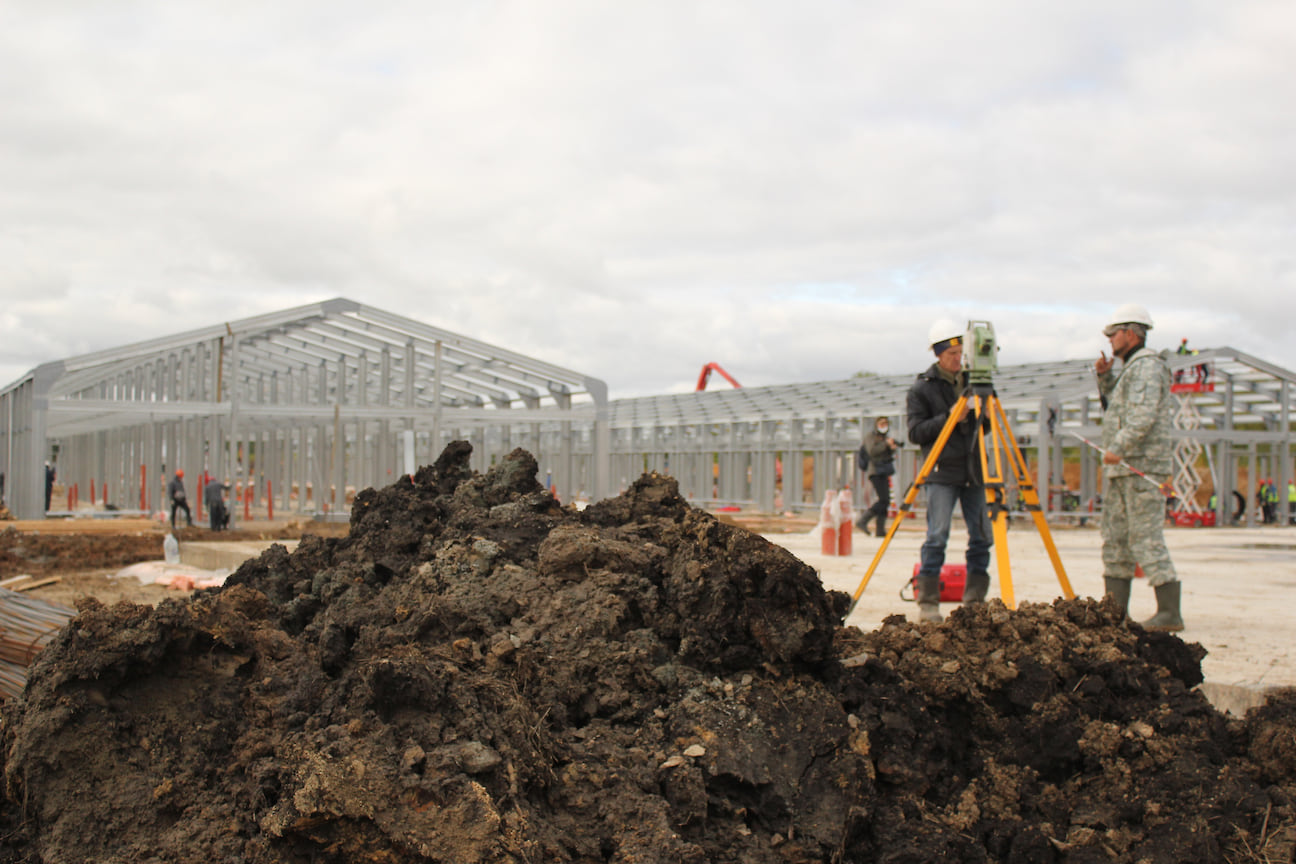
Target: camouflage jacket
1136 423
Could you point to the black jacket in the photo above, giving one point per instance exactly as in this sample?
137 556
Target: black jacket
928 407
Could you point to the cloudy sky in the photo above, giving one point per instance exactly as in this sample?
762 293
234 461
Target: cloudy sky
634 189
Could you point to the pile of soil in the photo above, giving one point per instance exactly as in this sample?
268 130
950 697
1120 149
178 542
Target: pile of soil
476 674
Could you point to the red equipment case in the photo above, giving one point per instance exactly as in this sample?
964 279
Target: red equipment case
952 579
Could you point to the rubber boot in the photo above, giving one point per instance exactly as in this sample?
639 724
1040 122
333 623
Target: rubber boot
881 526
1120 590
929 600
1167 618
974 590
929 613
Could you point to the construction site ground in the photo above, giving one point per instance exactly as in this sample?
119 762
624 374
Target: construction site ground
1239 584
473 673
1239 587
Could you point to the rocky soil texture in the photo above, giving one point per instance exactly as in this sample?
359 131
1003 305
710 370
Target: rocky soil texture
476 674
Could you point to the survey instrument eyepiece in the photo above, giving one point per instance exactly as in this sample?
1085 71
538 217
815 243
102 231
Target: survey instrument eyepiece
980 352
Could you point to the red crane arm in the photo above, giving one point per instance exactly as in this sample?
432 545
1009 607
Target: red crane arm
706 375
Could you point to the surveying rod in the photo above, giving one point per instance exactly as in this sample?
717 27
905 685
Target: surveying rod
1167 488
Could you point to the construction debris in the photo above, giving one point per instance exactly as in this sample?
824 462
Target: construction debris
26 626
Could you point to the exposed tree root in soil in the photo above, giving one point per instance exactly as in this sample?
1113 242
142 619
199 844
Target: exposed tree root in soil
475 674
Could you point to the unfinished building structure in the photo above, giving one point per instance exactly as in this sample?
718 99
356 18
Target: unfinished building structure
303 405
783 447
297 406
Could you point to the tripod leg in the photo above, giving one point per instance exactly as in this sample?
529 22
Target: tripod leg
996 490
1031 497
1006 593
906 505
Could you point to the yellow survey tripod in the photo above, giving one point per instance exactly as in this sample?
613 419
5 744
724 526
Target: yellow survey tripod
997 445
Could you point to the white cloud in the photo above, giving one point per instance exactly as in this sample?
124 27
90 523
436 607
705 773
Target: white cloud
635 190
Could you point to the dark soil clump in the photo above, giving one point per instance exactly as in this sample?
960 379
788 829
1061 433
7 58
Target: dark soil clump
476 674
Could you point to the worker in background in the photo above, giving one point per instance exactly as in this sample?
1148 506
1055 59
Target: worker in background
176 495
880 449
214 498
955 478
1136 431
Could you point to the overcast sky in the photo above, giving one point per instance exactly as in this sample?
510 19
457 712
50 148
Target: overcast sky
633 189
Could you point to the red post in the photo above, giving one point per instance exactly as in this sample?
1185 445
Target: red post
828 513
92 500
269 499
247 502
844 541
143 490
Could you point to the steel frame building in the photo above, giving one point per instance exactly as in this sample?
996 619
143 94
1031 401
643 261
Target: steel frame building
299 405
337 395
732 447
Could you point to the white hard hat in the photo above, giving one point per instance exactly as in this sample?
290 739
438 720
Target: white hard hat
943 330
1128 313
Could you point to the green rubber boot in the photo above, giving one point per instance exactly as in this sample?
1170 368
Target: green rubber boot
1120 590
1168 618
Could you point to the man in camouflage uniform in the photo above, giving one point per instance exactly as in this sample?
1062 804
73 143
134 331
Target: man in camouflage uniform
1136 431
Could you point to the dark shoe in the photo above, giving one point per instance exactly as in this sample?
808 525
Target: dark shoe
1119 590
1168 618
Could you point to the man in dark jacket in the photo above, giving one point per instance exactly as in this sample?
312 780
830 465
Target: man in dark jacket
214 498
956 476
880 448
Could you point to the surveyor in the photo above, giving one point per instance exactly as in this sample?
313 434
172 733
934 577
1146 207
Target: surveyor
956 476
1136 432
176 495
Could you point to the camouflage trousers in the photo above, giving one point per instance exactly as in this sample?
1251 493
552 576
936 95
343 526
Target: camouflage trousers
1133 518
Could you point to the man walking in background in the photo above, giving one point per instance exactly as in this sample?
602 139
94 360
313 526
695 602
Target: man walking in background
880 448
176 495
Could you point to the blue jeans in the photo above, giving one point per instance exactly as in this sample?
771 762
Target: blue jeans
940 511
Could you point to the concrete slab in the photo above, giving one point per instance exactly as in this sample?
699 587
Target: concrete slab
215 555
1239 590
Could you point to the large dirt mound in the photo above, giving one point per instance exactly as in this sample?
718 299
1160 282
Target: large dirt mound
474 674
